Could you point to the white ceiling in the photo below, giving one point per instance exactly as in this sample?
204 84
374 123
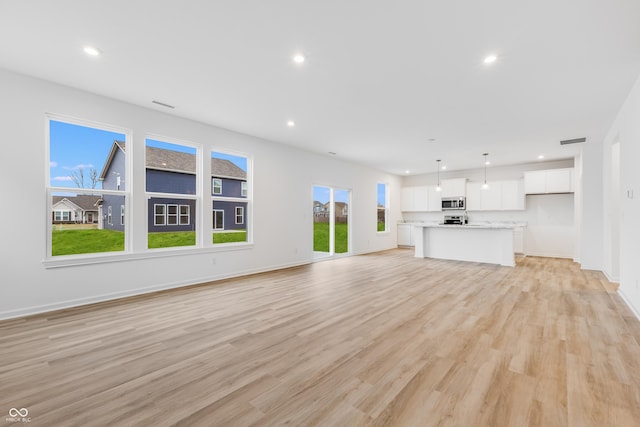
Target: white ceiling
381 78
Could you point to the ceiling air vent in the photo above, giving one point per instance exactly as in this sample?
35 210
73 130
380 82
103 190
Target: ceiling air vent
572 141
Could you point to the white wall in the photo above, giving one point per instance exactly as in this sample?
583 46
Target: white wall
283 180
626 131
550 218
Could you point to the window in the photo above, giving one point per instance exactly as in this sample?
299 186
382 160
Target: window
185 214
173 187
218 219
239 215
159 214
121 214
229 172
383 209
85 162
217 186
172 214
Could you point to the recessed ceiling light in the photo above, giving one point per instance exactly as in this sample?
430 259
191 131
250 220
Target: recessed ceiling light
407 172
298 58
333 153
444 168
490 59
487 163
291 123
540 157
432 140
93 51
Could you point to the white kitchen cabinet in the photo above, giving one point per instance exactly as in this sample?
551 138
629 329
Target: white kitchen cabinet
474 196
421 199
518 240
559 181
454 187
434 197
513 198
500 196
407 199
405 235
549 181
492 197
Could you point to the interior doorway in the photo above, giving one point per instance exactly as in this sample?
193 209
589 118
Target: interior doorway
331 221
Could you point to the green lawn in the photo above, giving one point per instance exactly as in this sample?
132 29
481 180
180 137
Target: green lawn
381 226
73 242
321 237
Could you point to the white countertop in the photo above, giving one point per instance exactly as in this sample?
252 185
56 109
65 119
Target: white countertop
468 226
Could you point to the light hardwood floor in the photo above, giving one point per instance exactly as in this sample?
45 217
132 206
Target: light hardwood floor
383 339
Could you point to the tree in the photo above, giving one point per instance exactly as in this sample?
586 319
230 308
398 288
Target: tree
78 177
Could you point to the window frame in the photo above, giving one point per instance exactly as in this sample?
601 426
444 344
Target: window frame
172 216
214 186
181 215
196 197
51 261
241 215
385 207
122 211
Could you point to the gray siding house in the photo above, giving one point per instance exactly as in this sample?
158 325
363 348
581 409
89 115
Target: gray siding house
170 171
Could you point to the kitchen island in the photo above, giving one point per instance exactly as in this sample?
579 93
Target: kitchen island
489 243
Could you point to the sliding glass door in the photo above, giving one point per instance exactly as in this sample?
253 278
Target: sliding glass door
331 208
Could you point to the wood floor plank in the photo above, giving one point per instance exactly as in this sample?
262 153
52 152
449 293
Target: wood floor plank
382 339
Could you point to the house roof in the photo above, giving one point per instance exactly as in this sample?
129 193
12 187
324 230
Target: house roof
85 202
175 161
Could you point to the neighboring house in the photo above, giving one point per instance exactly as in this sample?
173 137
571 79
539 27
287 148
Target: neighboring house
321 211
80 209
170 171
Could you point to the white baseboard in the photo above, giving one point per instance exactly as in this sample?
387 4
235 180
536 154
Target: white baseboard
28 311
627 301
612 279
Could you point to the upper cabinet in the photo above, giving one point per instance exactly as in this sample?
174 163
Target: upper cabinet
454 187
421 199
549 181
500 196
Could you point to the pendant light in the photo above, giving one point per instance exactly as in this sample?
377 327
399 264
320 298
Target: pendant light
485 186
438 187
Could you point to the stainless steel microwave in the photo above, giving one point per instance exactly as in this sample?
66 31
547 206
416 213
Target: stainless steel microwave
454 203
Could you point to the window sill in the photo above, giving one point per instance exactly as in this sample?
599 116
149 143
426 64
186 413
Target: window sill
75 260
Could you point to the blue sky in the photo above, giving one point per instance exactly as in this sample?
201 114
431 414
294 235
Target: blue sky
73 147
321 194
382 194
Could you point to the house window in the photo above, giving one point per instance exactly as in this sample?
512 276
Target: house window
218 219
239 215
230 171
159 215
217 185
85 162
121 214
185 216
62 216
172 214
382 208
173 186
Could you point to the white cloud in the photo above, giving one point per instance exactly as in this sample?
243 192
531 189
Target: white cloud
61 178
76 167
53 164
